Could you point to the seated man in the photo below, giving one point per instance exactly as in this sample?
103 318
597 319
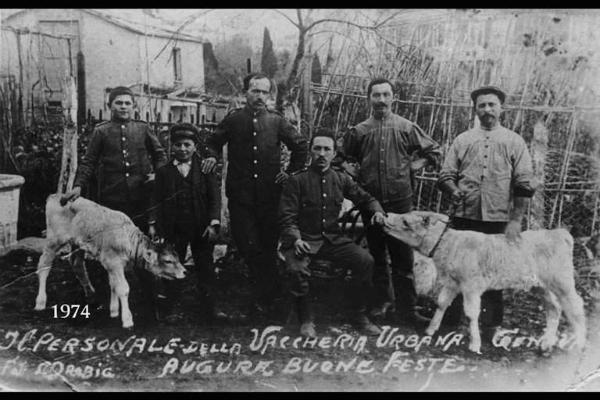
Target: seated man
187 206
308 218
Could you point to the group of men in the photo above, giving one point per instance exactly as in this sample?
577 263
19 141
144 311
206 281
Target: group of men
487 173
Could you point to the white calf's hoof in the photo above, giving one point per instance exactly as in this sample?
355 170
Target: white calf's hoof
429 331
114 314
40 305
128 325
547 342
475 348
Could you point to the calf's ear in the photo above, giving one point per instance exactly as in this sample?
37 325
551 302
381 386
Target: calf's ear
150 256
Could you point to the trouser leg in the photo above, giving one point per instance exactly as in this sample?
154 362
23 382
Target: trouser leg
402 259
297 284
383 291
360 262
202 254
255 231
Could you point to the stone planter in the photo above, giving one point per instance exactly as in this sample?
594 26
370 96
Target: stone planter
10 188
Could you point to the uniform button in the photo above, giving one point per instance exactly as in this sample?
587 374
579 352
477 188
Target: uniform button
254 120
323 181
254 133
255 176
323 220
485 156
324 194
124 151
481 176
122 126
255 148
123 138
486 146
484 166
126 164
255 161
127 174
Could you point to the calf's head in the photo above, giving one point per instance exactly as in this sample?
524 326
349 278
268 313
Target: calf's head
418 229
162 261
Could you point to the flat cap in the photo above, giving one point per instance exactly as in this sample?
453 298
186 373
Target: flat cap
488 90
118 91
184 131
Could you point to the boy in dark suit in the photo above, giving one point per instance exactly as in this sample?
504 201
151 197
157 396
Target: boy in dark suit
186 210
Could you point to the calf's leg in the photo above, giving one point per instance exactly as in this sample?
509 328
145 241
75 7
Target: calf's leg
78 266
472 305
553 310
122 291
43 269
114 300
574 311
447 294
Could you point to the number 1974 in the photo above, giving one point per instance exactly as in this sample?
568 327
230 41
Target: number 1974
70 310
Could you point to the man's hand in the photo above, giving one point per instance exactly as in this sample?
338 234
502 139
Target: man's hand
208 165
457 197
418 164
281 177
150 177
378 219
301 248
70 196
152 231
513 231
211 232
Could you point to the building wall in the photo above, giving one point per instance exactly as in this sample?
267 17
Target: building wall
114 56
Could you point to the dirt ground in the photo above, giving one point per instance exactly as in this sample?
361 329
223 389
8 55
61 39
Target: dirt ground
40 352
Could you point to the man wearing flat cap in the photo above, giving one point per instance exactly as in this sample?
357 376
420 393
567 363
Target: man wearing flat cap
488 174
122 153
186 211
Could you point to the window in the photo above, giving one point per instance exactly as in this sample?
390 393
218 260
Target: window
177 64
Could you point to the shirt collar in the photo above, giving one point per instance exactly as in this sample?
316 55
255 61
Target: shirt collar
177 162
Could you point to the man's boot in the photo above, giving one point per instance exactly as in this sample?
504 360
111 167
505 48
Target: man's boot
305 316
406 302
363 324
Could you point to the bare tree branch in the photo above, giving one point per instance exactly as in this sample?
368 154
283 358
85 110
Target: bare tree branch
288 18
185 23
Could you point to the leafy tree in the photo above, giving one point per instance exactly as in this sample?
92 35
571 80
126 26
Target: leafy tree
316 70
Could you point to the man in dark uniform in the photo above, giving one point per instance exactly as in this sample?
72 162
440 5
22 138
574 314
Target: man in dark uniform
308 216
383 145
254 135
122 154
187 207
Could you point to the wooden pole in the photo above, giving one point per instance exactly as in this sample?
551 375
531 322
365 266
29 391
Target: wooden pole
539 150
81 97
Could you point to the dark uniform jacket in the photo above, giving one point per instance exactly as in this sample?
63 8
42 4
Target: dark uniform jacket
383 148
254 153
311 202
206 198
119 153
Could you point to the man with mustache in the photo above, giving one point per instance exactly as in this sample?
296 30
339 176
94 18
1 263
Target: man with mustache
308 216
385 146
488 175
255 176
